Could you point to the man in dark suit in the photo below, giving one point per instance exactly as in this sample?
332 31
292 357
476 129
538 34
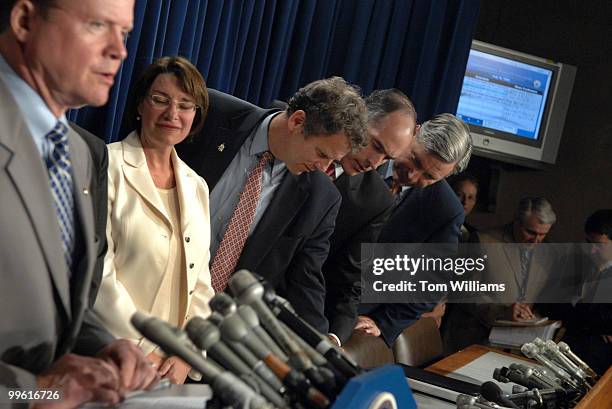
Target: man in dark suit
366 204
273 214
47 223
428 210
588 321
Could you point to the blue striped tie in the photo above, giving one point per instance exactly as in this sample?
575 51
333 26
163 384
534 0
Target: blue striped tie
60 179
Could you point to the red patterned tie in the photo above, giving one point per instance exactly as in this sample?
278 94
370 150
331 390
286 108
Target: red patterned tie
238 227
331 171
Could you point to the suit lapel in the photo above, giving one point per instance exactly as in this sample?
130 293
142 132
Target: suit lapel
81 171
29 175
138 176
186 183
287 201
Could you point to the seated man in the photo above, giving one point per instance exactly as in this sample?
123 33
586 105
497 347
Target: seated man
428 210
366 204
271 212
525 270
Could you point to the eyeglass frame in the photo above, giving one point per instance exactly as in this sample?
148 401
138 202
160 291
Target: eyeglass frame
156 105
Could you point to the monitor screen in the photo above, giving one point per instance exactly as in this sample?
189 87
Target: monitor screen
505 95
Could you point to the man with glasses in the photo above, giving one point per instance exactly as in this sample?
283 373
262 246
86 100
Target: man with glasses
514 257
48 249
366 204
427 210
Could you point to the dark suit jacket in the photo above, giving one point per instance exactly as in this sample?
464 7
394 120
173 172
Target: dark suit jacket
45 314
429 215
99 190
366 205
291 241
586 322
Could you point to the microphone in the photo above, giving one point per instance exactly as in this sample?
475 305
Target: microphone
206 336
565 349
537 374
469 401
249 291
225 305
507 375
578 374
340 361
249 316
332 379
249 358
492 392
234 329
173 341
531 351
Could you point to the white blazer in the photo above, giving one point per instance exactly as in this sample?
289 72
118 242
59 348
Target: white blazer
138 233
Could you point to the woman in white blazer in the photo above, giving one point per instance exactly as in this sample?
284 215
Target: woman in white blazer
158 226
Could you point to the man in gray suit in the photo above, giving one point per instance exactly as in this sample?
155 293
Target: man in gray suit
48 339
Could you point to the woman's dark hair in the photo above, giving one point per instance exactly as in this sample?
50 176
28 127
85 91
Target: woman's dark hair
189 79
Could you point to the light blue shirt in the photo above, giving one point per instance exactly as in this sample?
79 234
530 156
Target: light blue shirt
38 117
225 195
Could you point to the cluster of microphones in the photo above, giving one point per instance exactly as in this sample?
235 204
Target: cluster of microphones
560 381
259 353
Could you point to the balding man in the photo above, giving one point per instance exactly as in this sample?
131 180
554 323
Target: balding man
428 210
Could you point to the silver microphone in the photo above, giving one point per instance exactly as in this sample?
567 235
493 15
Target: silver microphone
231 389
205 335
532 351
565 349
567 364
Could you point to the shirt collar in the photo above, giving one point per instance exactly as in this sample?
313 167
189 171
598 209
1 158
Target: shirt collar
37 115
260 142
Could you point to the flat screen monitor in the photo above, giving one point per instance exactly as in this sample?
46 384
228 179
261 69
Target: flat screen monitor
515 104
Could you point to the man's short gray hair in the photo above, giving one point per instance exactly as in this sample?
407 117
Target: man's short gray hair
447 137
539 206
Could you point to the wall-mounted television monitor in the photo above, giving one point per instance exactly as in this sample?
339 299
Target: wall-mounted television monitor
515 104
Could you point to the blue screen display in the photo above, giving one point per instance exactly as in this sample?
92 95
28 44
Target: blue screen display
504 95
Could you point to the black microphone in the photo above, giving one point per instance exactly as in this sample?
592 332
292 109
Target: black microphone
234 329
506 375
249 358
206 336
283 310
230 389
340 361
492 392
249 316
248 290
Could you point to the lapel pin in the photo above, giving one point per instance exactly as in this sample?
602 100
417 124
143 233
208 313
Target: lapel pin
85 191
221 147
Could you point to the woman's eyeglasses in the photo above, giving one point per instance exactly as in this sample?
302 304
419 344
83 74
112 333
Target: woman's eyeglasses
163 102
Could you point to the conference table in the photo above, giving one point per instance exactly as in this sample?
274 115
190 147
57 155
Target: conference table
474 364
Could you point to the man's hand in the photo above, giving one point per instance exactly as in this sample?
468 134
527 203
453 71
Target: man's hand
155 359
81 379
175 369
521 312
607 339
135 370
437 313
367 325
